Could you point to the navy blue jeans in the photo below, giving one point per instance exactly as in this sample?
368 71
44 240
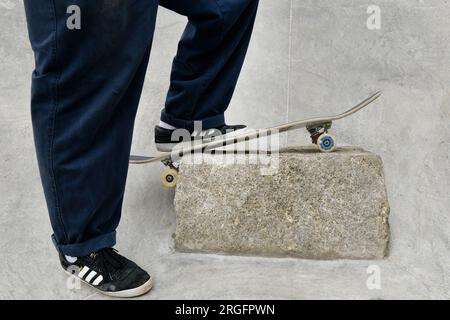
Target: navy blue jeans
86 88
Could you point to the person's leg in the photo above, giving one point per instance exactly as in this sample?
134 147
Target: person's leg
91 58
209 59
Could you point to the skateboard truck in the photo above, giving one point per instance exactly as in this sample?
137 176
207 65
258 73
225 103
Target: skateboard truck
325 141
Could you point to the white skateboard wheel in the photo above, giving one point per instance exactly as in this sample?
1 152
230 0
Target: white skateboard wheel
169 178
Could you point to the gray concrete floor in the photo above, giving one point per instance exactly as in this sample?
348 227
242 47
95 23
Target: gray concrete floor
307 58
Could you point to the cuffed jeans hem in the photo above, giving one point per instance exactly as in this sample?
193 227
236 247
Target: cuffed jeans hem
208 123
82 249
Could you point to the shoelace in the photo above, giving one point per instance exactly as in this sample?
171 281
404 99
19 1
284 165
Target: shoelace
108 261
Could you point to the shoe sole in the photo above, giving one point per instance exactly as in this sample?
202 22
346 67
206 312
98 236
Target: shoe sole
130 293
169 147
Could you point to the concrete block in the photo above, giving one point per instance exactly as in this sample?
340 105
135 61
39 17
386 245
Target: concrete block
315 206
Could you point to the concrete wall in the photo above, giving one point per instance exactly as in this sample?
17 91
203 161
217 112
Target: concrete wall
308 57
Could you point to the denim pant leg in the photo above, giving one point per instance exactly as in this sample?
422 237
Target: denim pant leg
91 58
210 56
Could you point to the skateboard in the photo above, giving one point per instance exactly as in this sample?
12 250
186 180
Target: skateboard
318 129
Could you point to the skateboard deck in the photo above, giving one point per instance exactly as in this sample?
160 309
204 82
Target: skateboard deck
317 127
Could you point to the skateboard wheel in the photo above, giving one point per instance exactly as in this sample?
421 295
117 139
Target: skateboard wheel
169 178
326 142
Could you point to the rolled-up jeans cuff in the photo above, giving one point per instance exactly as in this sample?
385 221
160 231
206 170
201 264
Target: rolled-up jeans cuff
82 249
207 123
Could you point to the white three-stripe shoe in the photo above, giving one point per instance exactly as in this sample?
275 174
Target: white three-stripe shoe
109 273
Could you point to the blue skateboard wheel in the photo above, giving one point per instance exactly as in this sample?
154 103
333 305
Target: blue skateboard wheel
326 142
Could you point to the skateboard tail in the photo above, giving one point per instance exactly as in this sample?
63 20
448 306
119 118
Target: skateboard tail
361 105
324 120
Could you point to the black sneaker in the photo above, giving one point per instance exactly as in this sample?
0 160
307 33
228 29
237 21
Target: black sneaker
166 140
109 273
